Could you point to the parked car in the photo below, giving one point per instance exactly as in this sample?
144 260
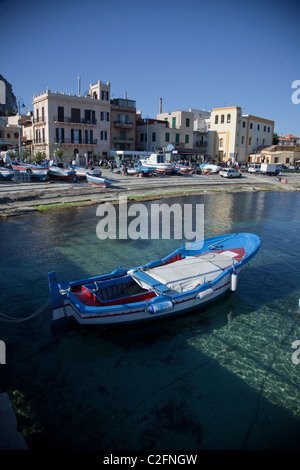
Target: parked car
230 173
254 168
293 167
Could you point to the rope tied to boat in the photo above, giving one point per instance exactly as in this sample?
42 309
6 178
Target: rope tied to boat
9 319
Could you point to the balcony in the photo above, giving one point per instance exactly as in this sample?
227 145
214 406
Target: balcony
118 140
70 120
72 142
124 125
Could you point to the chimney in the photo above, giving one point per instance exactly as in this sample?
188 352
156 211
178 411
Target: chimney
125 95
160 105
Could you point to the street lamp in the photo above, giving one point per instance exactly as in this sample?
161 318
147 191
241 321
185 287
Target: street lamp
19 100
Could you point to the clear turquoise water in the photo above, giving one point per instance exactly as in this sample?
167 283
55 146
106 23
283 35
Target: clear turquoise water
218 378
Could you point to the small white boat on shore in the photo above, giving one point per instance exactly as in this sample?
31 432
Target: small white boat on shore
81 171
157 163
61 173
96 180
209 168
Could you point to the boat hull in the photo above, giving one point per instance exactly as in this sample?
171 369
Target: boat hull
61 173
7 173
81 172
36 172
96 180
95 301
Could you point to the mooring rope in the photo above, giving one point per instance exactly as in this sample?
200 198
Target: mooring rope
9 319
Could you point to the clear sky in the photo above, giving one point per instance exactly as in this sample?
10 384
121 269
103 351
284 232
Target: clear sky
191 53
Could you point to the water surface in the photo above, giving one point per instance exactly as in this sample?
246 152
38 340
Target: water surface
221 377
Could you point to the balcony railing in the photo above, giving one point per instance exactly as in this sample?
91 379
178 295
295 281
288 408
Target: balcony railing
76 142
119 140
127 125
75 120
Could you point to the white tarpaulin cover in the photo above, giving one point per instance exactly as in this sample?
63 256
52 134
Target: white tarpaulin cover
186 274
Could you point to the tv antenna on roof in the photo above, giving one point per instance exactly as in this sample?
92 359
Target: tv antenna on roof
78 86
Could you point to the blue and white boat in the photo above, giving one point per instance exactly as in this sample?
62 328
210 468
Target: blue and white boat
187 279
61 173
39 172
7 173
81 171
209 168
96 180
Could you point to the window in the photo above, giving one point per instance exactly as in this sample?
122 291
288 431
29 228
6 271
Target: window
244 124
76 136
43 134
60 113
153 136
88 136
265 128
142 138
243 138
221 143
16 135
173 122
104 116
75 115
177 138
268 129
123 118
258 127
60 135
103 135
167 137
104 95
249 140
228 118
222 119
216 119
251 125
187 138
43 114
187 122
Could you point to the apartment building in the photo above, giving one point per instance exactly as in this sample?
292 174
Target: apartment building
79 125
234 136
174 128
9 133
123 124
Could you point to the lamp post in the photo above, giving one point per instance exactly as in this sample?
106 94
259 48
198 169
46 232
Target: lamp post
19 100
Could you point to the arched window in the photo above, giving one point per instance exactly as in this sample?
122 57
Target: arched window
222 119
216 119
228 117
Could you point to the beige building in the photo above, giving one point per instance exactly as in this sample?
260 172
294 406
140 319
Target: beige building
288 155
123 124
79 125
174 128
233 136
9 133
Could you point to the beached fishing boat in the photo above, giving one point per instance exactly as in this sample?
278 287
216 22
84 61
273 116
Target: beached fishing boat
209 168
96 180
39 172
157 163
183 169
7 173
61 173
186 279
81 171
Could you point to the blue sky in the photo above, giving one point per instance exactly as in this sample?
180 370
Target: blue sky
191 53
